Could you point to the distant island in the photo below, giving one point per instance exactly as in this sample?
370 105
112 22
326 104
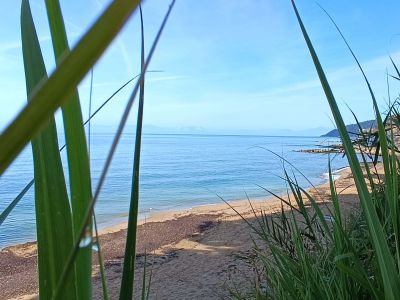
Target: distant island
352 129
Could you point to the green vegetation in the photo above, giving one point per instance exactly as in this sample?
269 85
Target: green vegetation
306 254
64 223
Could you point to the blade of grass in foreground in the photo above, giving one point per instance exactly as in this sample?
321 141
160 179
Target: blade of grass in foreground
386 263
110 156
52 93
13 203
77 153
96 232
128 274
53 215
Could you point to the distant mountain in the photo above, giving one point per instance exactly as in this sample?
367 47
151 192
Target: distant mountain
263 131
352 129
154 129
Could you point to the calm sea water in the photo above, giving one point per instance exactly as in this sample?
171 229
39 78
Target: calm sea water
177 172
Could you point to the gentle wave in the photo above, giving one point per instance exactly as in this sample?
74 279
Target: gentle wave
335 174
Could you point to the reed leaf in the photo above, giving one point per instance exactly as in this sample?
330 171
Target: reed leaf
14 203
51 94
124 118
77 153
396 68
128 274
101 260
53 214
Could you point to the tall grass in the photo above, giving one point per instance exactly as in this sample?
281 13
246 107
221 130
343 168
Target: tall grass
54 234
64 229
321 252
388 264
77 153
130 247
311 255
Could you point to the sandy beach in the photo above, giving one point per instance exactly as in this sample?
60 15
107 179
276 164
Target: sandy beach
192 254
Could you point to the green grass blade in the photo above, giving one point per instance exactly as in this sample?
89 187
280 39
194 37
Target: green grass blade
115 93
143 292
334 198
14 203
77 153
365 139
290 164
386 263
128 274
110 156
97 243
395 67
352 272
149 284
52 93
89 127
53 214
319 213
101 261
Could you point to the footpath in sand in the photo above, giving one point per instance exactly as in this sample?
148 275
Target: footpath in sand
192 254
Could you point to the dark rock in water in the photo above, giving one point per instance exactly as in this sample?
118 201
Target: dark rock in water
321 150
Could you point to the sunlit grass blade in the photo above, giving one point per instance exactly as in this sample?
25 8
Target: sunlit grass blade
53 214
110 156
77 153
386 263
128 273
52 93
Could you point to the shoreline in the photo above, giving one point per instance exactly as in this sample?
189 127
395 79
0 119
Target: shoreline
165 215
170 214
208 238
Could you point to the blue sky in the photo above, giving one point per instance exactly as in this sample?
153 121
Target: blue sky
228 66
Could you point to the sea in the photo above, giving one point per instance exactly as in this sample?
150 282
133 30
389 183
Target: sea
177 172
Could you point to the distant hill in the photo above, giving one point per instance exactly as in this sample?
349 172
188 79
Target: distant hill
352 129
